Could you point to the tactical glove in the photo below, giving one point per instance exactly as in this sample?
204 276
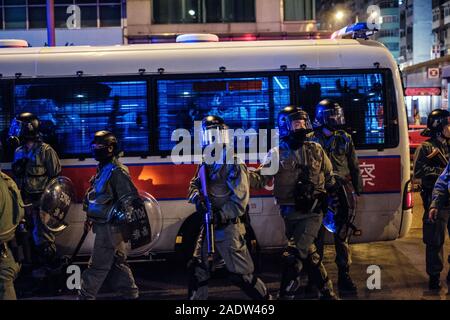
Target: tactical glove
200 204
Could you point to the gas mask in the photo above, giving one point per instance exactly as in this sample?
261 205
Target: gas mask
101 153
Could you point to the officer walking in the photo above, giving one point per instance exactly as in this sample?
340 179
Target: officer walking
300 186
35 164
111 183
11 213
339 147
431 158
228 192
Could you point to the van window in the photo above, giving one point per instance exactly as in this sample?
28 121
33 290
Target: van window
244 102
72 111
368 109
4 121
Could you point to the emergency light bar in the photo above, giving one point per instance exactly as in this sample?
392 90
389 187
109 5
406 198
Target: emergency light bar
359 30
197 37
13 43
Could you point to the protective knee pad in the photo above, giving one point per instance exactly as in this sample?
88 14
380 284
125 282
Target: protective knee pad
314 258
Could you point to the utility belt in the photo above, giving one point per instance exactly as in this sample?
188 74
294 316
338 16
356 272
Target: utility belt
316 207
224 224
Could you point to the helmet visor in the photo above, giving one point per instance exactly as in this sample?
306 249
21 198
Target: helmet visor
215 135
334 117
16 128
299 121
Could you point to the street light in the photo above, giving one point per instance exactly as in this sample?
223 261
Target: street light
339 15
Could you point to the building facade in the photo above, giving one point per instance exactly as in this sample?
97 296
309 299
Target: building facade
423 55
357 10
79 22
441 26
162 20
389 33
415 32
107 22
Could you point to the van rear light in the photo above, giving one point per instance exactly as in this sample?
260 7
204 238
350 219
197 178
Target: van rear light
408 202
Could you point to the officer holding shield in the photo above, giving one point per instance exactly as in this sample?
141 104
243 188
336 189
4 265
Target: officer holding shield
300 185
430 160
111 183
227 192
35 165
339 147
11 213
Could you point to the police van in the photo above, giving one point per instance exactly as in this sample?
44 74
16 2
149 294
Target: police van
144 92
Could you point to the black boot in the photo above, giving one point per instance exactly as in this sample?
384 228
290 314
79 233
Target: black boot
434 283
327 292
345 283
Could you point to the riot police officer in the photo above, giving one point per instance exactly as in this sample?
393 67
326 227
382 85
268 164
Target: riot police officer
228 191
430 159
339 147
35 164
300 185
11 213
111 183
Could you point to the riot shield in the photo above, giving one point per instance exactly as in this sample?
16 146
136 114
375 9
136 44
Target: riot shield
55 203
341 211
139 219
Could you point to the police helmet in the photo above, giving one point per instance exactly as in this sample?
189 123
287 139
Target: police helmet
214 131
105 138
24 127
329 114
290 114
436 122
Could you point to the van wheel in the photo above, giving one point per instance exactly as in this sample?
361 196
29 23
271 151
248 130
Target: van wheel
187 237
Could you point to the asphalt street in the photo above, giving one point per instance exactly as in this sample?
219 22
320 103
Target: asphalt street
401 263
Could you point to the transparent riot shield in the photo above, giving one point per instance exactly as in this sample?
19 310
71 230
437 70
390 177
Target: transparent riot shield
55 203
341 211
140 221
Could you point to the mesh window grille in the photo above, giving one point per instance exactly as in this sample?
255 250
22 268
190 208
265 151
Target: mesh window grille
360 95
244 103
4 122
72 112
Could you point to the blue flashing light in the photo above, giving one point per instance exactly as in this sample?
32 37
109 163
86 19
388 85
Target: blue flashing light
359 30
